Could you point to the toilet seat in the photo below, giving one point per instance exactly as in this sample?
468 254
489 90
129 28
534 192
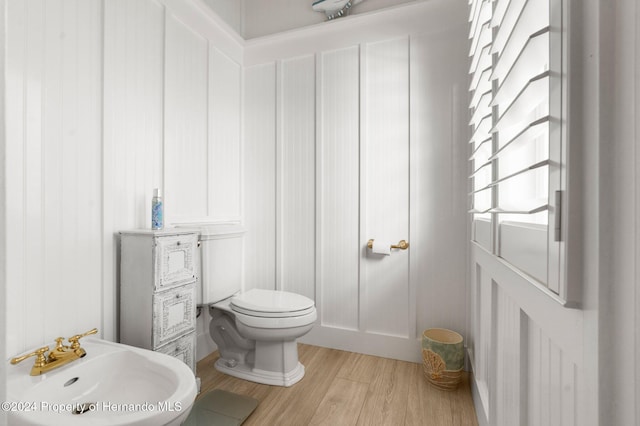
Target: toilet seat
271 304
270 309
276 323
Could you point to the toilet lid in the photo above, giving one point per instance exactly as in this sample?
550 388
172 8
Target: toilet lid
271 303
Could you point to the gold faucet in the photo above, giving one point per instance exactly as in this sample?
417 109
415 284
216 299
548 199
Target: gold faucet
58 357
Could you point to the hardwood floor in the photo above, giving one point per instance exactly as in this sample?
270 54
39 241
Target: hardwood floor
345 388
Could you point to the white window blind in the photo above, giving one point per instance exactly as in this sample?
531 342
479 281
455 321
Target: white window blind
515 107
481 97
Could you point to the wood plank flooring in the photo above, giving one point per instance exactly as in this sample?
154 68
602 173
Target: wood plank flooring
345 388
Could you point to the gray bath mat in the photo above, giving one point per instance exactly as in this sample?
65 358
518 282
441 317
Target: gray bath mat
221 408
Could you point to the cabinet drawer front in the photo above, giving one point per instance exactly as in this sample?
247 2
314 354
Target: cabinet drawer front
173 313
184 349
175 260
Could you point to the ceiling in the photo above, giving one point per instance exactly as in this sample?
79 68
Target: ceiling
258 18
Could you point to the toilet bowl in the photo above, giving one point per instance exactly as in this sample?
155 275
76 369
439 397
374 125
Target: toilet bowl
255 330
256 335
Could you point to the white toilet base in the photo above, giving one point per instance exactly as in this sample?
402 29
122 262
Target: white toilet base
243 371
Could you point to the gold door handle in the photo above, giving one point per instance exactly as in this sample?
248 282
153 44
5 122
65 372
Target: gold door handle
402 245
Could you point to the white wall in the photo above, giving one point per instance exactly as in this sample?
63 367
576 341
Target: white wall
306 96
295 174
438 127
54 171
338 227
3 202
619 193
526 349
94 126
259 126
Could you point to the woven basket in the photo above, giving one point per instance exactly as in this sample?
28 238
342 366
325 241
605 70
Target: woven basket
434 372
444 374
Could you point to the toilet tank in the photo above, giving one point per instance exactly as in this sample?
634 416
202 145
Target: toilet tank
221 262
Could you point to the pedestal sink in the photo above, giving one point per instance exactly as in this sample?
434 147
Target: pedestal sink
114 384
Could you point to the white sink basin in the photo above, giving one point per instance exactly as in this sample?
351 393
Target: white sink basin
113 384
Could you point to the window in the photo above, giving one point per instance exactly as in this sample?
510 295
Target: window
516 95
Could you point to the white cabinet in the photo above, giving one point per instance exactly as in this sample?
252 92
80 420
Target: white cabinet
158 278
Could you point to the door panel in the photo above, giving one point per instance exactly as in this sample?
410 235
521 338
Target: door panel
338 196
386 168
295 148
385 185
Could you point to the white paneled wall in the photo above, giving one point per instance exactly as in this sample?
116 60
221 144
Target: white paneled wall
133 127
358 129
260 175
224 157
133 35
185 138
507 360
384 109
480 339
53 175
526 349
95 119
338 175
295 168
108 101
551 382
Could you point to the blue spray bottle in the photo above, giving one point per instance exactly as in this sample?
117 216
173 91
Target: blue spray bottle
157 210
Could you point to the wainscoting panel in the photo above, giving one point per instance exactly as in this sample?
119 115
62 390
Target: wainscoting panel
507 359
134 33
551 382
389 164
260 175
88 124
384 184
483 335
53 174
185 139
526 366
295 240
133 127
224 164
338 192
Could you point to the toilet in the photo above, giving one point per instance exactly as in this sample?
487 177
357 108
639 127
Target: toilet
255 330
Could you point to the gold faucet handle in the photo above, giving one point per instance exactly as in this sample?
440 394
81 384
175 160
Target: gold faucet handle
59 345
74 340
39 354
58 349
